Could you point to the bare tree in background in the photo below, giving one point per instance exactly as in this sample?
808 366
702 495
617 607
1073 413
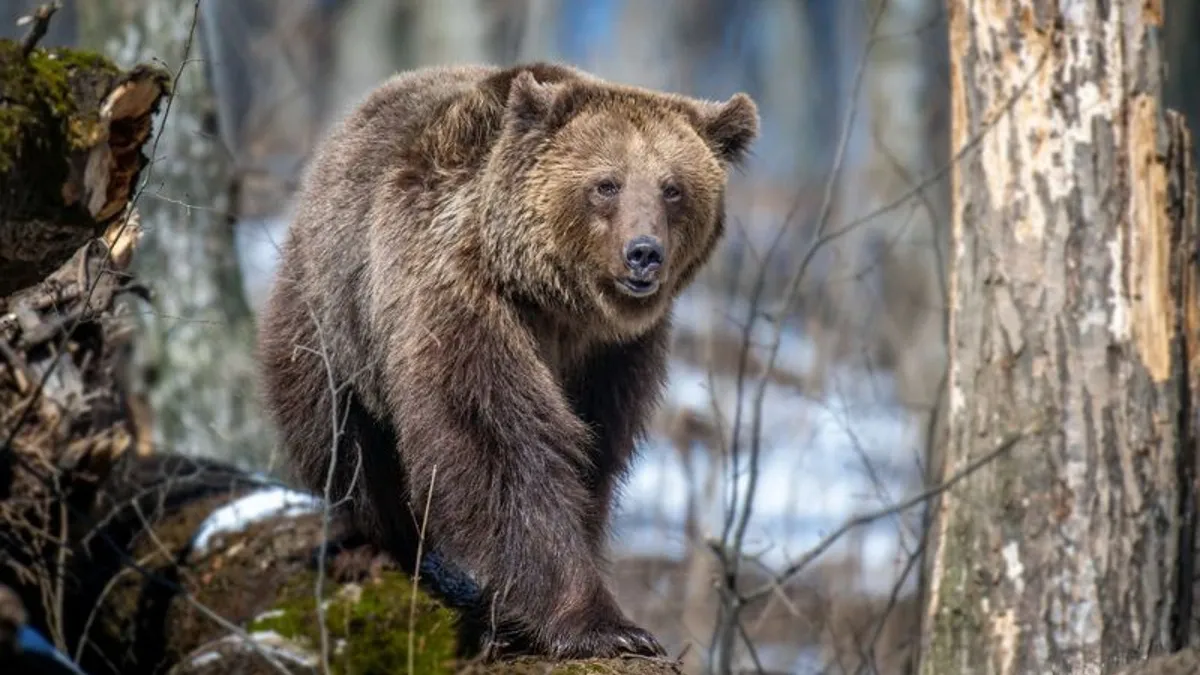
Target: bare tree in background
1073 222
194 354
881 295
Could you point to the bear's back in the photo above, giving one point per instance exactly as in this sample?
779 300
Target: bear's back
378 137
425 122
371 194
415 138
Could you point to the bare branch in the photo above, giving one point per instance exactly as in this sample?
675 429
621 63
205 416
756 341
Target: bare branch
336 429
871 516
41 22
416 577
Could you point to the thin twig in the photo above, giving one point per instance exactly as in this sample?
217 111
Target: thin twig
60 573
412 606
228 625
872 645
336 428
726 635
791 295
98 604
871 516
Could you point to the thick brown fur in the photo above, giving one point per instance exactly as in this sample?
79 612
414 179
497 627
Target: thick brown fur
456 265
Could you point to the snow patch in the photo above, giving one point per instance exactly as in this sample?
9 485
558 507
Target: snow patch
268 502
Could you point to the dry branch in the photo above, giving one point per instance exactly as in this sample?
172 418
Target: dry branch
40 20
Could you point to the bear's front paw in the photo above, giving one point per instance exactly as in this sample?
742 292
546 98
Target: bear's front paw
602 638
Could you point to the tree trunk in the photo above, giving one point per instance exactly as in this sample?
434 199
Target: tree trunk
194 349
1072 313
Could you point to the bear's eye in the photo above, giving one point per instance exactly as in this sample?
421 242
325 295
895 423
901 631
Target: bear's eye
672 193
607 188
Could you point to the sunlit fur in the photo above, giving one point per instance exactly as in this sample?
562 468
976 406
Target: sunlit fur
448 257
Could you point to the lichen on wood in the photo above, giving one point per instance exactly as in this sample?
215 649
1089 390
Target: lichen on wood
72 126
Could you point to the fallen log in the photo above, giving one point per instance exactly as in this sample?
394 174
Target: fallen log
190 566
212 541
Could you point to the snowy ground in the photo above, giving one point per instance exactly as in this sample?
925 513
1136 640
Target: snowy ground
821 463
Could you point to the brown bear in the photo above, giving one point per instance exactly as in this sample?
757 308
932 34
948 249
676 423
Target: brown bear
481 264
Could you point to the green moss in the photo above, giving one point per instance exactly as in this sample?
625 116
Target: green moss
43 99
368 626
957 618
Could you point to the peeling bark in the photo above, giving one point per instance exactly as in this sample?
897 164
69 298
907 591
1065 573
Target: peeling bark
1072 308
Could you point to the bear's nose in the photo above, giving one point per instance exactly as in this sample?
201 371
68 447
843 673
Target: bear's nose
643 255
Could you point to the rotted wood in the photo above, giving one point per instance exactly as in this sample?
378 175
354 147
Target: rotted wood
72 130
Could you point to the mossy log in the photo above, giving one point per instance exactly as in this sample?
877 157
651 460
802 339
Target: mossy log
72 126
240 597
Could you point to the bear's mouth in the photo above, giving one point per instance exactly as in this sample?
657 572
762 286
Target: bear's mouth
638 288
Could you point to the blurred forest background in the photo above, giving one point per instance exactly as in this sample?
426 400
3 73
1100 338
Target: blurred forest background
808 363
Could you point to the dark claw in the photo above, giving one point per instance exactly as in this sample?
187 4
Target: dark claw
645 644
607 640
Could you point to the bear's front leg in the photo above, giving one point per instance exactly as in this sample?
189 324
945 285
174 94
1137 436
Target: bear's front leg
615 393
488 438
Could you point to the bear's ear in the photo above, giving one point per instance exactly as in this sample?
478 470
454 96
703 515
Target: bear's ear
730 127
529 101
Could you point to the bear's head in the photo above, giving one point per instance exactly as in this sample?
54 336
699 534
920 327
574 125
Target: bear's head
609 198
